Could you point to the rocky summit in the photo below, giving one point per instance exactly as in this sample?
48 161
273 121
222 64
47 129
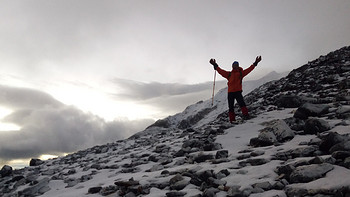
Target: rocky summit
296 144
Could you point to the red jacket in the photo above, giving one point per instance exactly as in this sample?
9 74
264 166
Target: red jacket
235 77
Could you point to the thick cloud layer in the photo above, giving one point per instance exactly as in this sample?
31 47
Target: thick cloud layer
50 127
165 41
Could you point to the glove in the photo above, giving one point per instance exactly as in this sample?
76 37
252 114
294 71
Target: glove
213 62
257 60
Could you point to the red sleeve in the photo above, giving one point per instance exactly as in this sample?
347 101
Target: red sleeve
248 70
223 73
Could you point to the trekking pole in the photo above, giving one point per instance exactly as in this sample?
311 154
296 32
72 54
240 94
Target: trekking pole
212 97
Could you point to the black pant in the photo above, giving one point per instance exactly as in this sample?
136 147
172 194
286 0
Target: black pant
231 100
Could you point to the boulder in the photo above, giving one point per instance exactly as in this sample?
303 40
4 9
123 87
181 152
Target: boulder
39 188
105 191
304 174
342 146
203 157
295 123
35 162
281 130
308 109
210 192
265 138
289 101
275 131
306 151
179 185
331 139
343 112
221 154
176 178
347 163
342 155
263 185
315 125
6 171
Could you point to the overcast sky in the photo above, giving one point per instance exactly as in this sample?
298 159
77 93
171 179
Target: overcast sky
106 68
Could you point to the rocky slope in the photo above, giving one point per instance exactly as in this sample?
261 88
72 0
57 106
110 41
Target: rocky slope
298 145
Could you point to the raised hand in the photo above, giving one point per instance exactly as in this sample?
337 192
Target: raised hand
213 62
257 60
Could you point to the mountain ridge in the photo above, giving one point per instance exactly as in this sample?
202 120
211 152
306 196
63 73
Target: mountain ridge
219 102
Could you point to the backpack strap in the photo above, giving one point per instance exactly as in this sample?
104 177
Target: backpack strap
241 75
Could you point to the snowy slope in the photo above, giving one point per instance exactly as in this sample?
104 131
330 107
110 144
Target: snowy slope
298 145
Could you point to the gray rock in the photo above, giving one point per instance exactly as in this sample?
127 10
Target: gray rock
343 112
176 178
285 170
216 182
264 185
317 160
165 160
94 190
295 124
179 185
304 174
331 139
104 149
314 126
341 154
37 188
257 153
210 192
278 186
35 162
6 171
105 191
289 101
257 190
280 129
203 157
307 151
49 172
265 138
221 154
308 109
85 178
175 194
290 191
347 162
72 182
156 167
130 194
234 191
342 146
96 166
254 162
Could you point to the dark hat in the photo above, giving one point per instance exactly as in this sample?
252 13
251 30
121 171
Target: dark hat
235 63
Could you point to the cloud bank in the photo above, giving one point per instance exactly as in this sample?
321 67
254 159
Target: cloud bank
168 97
50 127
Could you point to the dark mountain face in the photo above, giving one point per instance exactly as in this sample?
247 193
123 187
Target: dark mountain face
325 80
